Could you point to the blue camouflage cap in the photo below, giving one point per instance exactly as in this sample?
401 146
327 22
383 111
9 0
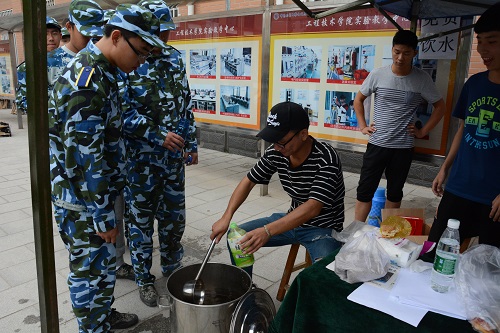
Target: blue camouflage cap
52 22
140 21
107 15
64 31
87 16
161 11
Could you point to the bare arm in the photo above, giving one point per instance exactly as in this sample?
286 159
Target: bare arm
239 196
437 184
437 114
359 108
255 239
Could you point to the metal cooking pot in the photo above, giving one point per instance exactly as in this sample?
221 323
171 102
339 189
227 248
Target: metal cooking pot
225 285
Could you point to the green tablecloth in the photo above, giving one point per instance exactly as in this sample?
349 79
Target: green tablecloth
317 302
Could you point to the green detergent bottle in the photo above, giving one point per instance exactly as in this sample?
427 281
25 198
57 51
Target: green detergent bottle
234 236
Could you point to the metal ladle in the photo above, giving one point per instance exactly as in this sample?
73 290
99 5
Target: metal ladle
195 289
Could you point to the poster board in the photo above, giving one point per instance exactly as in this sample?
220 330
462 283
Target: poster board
321 65
223 63
7 86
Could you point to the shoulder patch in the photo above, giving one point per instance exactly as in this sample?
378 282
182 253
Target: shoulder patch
83 79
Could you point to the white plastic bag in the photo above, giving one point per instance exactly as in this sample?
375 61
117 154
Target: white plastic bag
355 229
478 285
362 259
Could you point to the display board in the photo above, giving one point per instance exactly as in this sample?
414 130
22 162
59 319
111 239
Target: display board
7 87
321 65
223 63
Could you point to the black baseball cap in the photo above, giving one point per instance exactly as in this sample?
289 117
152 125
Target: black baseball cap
282 118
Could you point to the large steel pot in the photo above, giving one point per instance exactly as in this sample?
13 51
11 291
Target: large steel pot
225 285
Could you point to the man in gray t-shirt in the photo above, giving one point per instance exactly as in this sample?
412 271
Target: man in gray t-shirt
399 90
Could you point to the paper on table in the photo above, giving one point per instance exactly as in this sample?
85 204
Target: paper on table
379 299
415 289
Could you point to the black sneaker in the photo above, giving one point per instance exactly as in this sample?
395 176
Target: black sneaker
125 271
148 295
119 320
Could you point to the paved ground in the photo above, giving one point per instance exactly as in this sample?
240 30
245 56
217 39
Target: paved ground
209 186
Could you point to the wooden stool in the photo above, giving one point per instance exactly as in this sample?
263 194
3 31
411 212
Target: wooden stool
291 267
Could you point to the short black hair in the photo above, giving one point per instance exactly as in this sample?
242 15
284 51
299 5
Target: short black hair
108 29
405 37
489 21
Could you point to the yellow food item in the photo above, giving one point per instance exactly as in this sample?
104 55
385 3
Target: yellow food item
395 227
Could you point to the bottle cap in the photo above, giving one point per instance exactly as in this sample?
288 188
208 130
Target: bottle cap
380 192
454 224
233 225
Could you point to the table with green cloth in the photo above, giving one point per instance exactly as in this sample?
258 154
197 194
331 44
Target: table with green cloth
317 302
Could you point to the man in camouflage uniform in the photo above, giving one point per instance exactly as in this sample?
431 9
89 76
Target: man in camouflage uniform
87 160
85 20
156 98
53 40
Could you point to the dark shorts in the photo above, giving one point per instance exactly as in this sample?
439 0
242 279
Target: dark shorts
396 164
473 216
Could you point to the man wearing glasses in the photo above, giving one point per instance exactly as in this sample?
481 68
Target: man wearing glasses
309 171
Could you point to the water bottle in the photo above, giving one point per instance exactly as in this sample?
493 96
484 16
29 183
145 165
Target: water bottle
234 236
182 130
378 202
446 260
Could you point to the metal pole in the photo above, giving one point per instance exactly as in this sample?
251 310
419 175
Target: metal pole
13 65
36 85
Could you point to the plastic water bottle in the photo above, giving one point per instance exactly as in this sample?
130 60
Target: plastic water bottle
378 202
446 260
234 236
182 130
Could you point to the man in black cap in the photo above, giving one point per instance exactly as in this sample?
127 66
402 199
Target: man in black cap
310 172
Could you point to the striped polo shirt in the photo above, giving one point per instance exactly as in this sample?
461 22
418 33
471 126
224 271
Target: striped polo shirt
319 178
397 99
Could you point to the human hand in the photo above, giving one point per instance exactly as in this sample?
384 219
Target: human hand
219 229
437 183
495 209
253 240
416 132
173 142
193 160
369 130
109 236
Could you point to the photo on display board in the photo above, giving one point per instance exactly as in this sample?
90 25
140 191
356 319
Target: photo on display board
308 99
301 63
235 101
203 63
203 98
350 64
6 88
236 63
339 110
3 65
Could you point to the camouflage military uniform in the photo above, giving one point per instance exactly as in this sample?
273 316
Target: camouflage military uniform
156 96
86 162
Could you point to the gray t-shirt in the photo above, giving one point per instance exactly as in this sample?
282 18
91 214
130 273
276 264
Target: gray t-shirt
397 99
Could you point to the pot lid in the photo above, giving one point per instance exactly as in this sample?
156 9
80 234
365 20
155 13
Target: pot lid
254 313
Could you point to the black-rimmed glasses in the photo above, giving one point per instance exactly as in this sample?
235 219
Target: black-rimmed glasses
282 145
141 56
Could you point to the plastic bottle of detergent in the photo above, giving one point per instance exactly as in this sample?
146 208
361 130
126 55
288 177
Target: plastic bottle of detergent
234 236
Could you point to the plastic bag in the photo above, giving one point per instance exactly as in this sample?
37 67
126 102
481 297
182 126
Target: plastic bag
362 259
355 229
477 281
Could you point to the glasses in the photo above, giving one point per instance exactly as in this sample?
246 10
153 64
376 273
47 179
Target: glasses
141 56
282 145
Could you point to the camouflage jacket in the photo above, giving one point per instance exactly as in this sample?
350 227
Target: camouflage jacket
155 97
87 153
56 62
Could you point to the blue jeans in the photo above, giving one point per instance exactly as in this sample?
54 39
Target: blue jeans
318 241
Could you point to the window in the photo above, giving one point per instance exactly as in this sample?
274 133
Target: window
174 11
6 12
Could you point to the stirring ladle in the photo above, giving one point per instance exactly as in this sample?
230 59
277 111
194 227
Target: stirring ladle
195 289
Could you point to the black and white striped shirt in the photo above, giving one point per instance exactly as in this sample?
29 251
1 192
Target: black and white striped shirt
397 99
319 178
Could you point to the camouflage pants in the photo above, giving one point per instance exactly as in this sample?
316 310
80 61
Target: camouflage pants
91 280
153 192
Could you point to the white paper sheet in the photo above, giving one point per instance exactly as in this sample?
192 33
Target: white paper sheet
415 289
379 299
